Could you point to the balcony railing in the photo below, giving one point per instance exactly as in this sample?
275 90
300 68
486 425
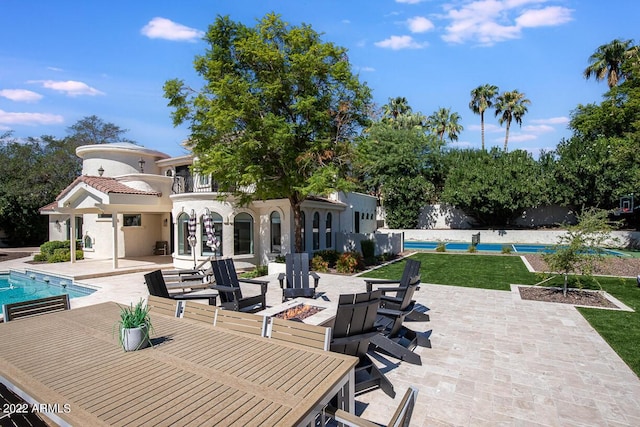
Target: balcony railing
189 184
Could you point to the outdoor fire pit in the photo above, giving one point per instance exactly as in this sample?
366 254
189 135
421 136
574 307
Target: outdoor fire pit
309 311
299 312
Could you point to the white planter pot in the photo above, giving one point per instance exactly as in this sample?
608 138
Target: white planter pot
135 338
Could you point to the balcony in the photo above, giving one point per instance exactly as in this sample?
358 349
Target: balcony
191 184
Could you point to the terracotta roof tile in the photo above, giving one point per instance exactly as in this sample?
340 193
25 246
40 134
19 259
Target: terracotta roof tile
106 185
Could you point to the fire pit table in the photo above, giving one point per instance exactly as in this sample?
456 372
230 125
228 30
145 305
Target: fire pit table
310 311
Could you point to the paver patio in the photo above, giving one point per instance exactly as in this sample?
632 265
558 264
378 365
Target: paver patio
495 359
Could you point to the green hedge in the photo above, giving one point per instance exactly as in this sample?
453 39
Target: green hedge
58 251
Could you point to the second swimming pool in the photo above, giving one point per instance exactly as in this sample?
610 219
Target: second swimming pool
522 248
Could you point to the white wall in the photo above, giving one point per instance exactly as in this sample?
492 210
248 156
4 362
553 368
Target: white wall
442 216
546 237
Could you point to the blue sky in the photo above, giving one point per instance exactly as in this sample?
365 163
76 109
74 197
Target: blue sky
63 60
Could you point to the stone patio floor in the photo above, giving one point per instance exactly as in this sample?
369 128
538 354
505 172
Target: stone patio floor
495 359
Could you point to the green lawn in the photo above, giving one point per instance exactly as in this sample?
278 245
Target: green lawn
620 329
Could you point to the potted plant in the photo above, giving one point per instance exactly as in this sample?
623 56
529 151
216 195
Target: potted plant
134 327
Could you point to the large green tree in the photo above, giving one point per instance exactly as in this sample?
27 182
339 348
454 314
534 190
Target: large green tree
443 122
495 186
607 61
510 106
34 171
482 99
277 113
401 167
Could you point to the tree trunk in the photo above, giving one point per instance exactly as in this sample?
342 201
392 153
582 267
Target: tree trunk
482 128
297 223
506 137
564 290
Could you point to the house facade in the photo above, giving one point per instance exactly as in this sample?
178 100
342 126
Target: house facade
131 201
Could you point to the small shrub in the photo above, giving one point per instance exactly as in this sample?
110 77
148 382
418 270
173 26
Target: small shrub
40 257
60 255
506 249
48 248
349 262
319 264
281 259
472 249
259 271
329 255
387 256
441 247
368 248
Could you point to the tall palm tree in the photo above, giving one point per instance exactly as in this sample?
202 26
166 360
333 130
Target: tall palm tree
511 106
606 61
442 122
396 106
482 99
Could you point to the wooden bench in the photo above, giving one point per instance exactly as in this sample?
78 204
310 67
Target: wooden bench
166 306
253 324
299 333
18 310
200 312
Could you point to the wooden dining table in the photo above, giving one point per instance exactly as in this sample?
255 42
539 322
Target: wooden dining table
70 366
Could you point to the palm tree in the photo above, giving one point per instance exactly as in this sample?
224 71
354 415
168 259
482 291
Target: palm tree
606 61
442 122
481 100
396 106
511 106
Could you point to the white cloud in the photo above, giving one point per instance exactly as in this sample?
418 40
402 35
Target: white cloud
538 129
409 1
56 69
163 28
400 42
70 87
546 17
487 22
552 121
346 21
367 69
20 95
31 119
521 137
419 24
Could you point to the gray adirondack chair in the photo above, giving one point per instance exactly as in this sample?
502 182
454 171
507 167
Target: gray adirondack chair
352 331
295 282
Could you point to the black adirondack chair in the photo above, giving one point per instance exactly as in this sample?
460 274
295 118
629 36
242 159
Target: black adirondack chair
158 288
395 301
295 283
352 331
228 285
396 339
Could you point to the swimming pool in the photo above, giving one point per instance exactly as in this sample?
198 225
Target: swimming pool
520 248
16 286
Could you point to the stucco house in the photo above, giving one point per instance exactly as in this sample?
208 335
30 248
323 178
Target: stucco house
129 200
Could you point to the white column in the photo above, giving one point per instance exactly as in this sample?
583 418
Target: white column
72 236
114 226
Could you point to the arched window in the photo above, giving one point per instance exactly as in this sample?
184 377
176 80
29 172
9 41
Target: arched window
316 231
276 230
243 234
205 249
303 227
327 231
88 242
183 234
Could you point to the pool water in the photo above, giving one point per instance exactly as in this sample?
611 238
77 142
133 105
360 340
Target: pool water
17 287
491 247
